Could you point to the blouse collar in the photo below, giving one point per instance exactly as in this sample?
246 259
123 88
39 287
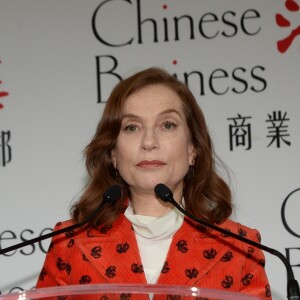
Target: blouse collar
155 228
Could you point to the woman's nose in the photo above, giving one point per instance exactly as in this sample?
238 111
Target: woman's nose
150 139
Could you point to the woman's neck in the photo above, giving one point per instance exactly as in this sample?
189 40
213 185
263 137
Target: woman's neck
149 205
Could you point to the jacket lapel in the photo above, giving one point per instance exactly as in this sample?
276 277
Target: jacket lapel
113 253
192 254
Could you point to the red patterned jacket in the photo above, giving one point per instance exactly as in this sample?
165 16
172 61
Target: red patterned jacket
196 257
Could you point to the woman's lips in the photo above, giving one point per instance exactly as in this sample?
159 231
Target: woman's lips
150 164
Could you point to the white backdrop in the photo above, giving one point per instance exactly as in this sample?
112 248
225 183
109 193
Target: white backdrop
58 60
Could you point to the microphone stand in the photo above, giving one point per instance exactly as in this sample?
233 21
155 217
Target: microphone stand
45 236
293 291
111 195
53 233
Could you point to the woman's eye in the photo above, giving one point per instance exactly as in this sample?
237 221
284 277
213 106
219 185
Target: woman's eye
169 125
130 128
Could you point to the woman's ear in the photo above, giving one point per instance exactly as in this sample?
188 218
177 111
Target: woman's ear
114 158
192 155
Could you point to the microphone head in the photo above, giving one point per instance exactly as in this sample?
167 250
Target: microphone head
112 194
163 192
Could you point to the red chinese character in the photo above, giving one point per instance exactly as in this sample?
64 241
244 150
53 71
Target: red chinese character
2 93
284 44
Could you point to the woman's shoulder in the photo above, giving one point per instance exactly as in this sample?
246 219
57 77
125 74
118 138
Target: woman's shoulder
69 228
241 229
62 229
63 224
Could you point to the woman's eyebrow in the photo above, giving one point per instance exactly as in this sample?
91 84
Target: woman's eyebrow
169 111
165 112
130 116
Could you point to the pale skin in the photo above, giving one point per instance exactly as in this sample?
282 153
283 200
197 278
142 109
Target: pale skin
153 147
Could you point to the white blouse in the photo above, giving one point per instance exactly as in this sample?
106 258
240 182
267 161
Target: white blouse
154 236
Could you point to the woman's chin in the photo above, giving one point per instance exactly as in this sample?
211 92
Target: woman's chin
147 187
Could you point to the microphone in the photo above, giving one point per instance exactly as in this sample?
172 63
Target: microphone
111 195
293 291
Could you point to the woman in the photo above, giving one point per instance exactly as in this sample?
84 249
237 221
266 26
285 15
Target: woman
152 131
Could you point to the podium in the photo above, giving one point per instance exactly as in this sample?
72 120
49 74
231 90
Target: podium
127 292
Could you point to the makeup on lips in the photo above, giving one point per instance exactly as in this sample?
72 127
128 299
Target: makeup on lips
150 164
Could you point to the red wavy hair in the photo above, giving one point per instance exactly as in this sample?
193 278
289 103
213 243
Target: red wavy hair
206 194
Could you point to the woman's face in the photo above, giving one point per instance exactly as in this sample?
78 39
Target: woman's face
153 145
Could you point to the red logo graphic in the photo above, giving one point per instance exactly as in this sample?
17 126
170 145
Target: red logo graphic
284 44
2 93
